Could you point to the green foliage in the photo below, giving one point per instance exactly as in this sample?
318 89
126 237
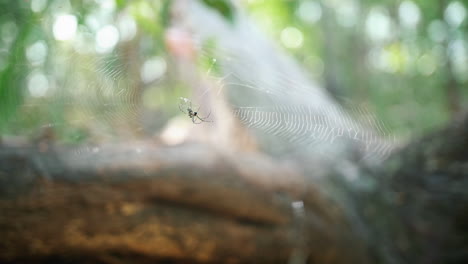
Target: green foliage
208 63
404 78
121 3
12 77
224 7
165 13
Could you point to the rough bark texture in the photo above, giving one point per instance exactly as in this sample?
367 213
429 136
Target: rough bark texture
419 210
192 203
142 203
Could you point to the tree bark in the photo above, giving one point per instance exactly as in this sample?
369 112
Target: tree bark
144 203
193 203
418 212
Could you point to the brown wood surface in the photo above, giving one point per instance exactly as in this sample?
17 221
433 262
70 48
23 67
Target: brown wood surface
138 201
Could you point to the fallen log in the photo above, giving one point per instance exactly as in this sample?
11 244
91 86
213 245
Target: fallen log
140 202
418 212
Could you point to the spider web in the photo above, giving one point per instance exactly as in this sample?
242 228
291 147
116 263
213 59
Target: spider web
272 93
100 95
302 126
91 92
294 113
73 86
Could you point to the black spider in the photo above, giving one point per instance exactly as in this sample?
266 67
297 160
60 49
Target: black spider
193 114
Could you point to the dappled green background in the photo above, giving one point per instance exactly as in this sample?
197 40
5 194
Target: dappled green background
100 69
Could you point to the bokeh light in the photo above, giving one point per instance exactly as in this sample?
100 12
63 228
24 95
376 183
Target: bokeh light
437 31
38 6
38 84
455 14
65 27
37 52
309 11
153 69
409 14
378 25
292 37
106 38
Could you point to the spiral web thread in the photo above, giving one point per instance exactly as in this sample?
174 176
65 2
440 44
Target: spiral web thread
292 113
97 90
302 126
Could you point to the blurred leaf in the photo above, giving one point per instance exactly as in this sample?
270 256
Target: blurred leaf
209 63
165 13
222 6
145 15
120 3
11 78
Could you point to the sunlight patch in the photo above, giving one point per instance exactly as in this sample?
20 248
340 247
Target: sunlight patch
65 27
37 52
38 6
153 69
409 14
378 25
310 11
455 14
106 38
38 85
292 37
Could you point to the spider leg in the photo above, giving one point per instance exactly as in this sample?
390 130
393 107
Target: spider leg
182 110
204 118
195 121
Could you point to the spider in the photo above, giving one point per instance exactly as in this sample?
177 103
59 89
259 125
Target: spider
193 114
